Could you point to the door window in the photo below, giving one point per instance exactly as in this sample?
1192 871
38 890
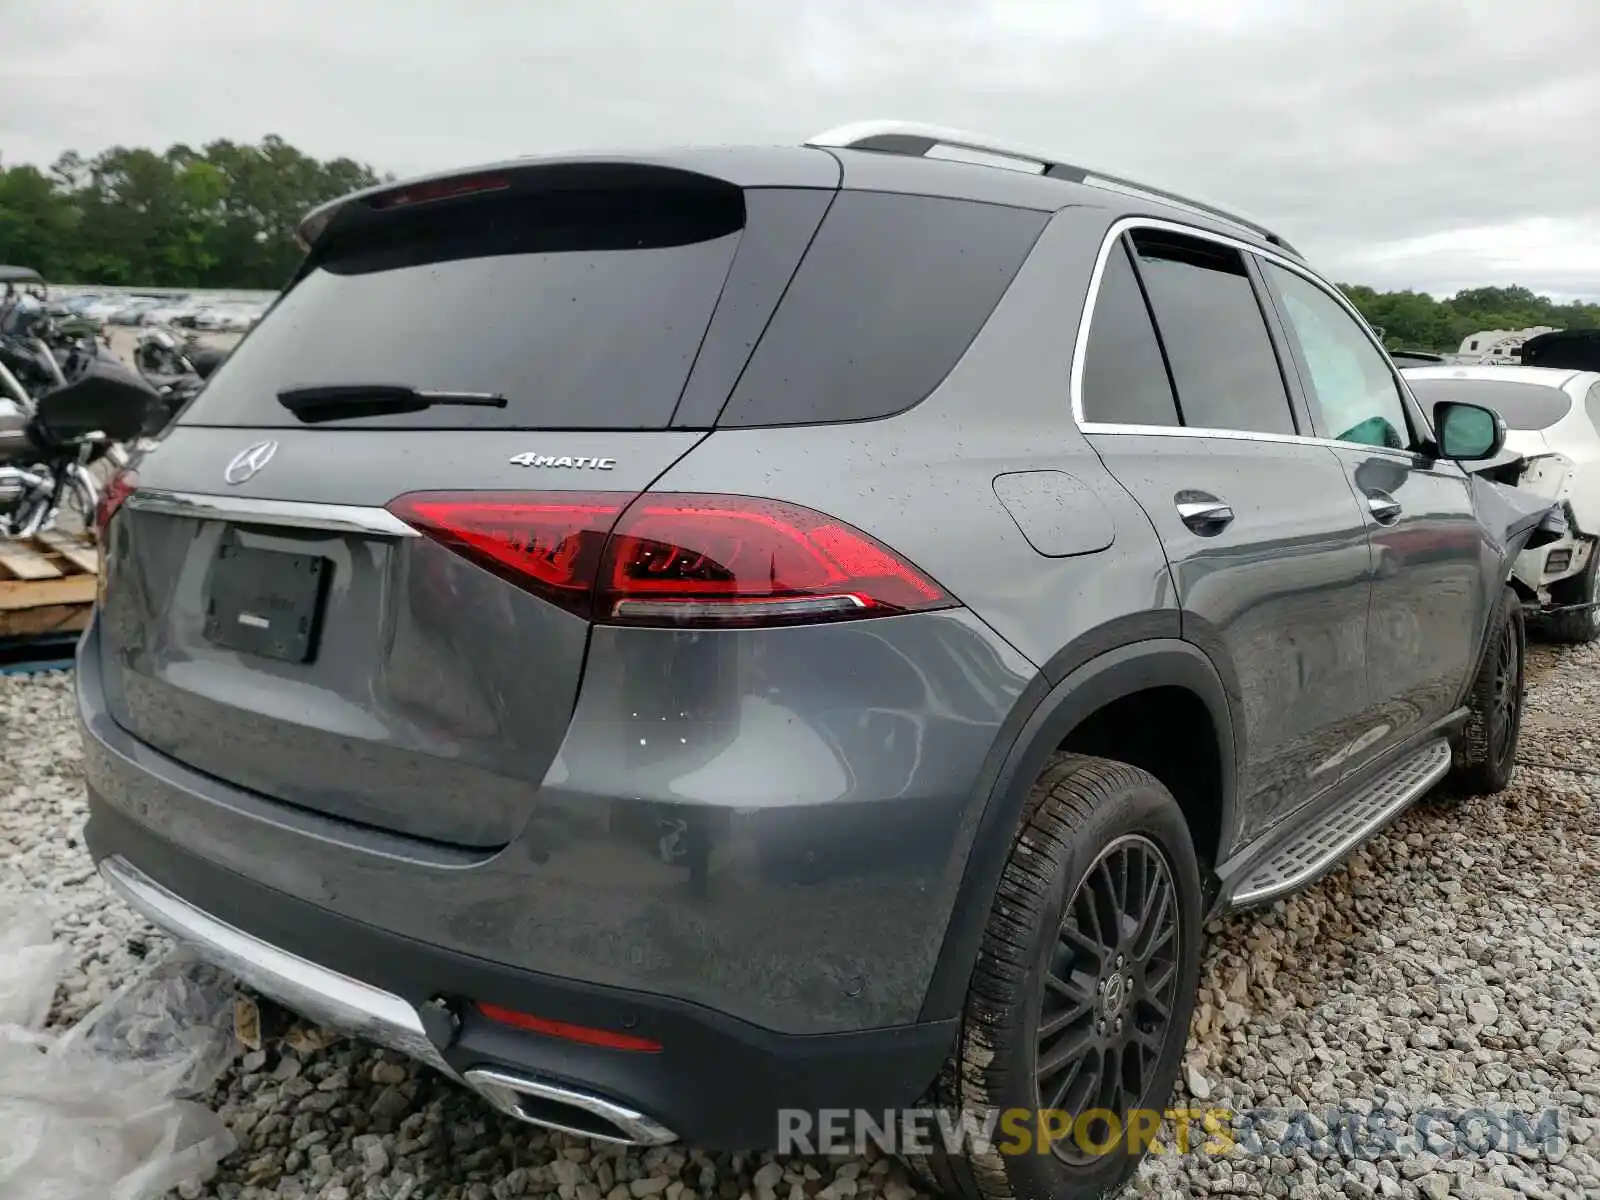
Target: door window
1350 383
1224 368
1125 381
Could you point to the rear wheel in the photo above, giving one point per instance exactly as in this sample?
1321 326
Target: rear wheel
1576 628
1486 749
1079 1005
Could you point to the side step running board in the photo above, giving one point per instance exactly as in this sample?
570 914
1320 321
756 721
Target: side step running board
1320 845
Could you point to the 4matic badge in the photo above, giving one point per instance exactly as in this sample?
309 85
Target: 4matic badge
529 459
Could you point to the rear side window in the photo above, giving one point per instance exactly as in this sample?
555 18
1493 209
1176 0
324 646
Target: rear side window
891 293
1125 381
1592 403
1211 324
585 309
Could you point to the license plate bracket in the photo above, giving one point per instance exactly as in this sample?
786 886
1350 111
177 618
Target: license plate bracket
265 602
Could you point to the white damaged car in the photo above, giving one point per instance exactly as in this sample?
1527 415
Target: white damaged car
1552 417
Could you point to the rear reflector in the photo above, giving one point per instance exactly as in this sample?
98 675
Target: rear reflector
568 1032
117 489
675 559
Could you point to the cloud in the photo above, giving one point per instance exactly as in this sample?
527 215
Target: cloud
1406 145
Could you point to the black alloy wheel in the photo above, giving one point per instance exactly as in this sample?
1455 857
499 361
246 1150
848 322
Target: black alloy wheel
1109 990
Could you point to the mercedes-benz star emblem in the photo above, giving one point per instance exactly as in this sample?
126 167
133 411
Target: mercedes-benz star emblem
248 461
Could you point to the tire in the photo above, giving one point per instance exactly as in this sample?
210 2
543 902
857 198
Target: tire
1577 628
1485 752
1089 823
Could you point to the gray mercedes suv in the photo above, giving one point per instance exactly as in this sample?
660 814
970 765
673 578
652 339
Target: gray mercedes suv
669 638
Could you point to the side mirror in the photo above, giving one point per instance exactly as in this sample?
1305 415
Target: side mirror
1468 432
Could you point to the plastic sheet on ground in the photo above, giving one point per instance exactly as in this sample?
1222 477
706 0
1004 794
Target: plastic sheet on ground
98 1112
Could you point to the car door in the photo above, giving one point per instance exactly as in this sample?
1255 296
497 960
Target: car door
1428 603
1182 394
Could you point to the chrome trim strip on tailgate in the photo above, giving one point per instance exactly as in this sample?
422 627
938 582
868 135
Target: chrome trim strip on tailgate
337 1001
301 514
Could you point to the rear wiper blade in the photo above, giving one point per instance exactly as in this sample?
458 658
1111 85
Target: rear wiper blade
333 402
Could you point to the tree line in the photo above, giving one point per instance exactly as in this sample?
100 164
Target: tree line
224 216
1417 321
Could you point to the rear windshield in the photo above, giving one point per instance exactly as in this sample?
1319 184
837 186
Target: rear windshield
1527 406
584 309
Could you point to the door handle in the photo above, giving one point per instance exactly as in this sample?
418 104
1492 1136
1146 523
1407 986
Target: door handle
1205 516
1385 509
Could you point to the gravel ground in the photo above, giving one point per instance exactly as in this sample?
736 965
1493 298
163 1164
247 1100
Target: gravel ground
1455 965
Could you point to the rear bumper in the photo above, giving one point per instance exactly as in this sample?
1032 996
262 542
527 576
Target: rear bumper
329 997
717 1082
772 827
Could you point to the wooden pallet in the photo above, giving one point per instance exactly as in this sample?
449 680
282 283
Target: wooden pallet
47 584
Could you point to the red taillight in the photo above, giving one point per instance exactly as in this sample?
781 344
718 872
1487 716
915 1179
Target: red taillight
569 1032
441 189
118 488
676 559
549 544
721 560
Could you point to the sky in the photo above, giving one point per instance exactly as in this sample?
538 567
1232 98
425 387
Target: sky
1430 144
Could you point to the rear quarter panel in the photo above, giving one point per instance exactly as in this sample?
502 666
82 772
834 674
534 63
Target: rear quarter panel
1090 581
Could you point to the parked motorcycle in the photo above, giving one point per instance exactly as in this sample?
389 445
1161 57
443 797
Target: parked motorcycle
38 352
176 370
49 445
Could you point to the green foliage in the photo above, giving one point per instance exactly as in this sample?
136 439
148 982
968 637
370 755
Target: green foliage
223 216
1416 321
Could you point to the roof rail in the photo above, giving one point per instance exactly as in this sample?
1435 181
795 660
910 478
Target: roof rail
920 141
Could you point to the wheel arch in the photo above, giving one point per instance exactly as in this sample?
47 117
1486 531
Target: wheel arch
1092 688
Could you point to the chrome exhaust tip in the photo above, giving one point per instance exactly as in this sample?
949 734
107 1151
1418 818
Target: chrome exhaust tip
554 1106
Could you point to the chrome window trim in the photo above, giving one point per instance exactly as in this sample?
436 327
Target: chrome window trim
299 514
1237 435
1081 344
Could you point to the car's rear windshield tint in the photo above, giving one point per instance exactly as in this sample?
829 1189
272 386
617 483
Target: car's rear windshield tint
584 309
1528 406
887 300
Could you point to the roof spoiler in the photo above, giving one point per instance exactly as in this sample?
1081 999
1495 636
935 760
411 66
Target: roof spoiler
782 166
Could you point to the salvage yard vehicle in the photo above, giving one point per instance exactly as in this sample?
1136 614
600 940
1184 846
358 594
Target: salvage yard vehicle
823 633
1553 418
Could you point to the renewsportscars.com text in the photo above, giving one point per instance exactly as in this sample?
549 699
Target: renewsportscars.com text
1348 1133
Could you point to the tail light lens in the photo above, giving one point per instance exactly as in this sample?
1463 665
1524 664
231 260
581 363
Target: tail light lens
118 488
693 559
551 545
676 559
